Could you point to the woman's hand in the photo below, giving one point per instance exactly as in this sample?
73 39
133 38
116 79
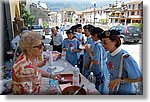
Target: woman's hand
114 83
87 48
45 61
55 76
64 49
41 63
73 50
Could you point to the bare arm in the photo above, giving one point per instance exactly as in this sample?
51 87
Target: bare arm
114 83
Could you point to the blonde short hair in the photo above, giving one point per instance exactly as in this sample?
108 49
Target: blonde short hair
28 39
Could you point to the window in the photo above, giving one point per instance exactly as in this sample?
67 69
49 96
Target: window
138 13
128 14
133 6
141 13
132 13
36 27
133 29
123 30
139 6
113 28
129 6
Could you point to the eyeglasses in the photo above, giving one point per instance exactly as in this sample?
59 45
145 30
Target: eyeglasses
39 46
105 42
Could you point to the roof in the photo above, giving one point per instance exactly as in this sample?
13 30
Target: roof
135 2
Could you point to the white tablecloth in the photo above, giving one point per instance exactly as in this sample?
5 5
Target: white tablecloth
60 62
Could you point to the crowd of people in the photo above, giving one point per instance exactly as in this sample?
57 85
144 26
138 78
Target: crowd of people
91 48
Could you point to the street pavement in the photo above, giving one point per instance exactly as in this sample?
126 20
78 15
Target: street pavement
135 50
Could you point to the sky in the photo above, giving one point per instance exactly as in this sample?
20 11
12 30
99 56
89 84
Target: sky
76 4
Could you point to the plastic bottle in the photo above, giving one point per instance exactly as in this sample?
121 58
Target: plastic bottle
108 79
92 78
64 55
53 85
76 73
50 59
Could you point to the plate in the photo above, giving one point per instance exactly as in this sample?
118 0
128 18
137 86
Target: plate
57 69
67 78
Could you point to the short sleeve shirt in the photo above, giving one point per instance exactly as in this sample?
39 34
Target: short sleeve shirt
26 78
130 70
71 57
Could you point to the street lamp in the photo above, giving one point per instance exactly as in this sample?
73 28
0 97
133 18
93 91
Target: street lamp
94 4
124 10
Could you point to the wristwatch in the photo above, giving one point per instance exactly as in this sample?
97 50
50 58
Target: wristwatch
122 81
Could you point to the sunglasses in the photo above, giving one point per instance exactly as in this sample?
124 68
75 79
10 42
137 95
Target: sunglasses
105 42
39 46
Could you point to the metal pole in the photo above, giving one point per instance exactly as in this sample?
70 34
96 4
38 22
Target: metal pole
94 12
94 15
56 18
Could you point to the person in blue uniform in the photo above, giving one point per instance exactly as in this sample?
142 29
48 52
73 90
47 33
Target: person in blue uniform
98 61
71 46
78 33
86 60
123 69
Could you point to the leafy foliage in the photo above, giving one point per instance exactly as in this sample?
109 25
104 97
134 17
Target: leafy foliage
45 24
28 18
139 25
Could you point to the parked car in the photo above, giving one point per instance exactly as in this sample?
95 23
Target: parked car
128 33
39 29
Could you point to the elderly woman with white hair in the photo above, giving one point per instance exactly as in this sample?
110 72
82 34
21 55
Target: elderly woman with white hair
26 74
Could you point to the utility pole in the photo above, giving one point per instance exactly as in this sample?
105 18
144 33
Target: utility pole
94 4
56 18
94 14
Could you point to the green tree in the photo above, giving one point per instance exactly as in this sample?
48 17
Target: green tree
71 20
28 18
45 24
139 25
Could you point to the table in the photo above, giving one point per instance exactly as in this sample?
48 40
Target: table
69 70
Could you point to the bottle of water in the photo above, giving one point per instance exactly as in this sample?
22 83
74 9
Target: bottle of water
50 59
64 55
53 88
52 83
92 78
76 72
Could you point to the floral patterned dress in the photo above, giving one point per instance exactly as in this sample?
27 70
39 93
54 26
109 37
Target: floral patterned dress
26 78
